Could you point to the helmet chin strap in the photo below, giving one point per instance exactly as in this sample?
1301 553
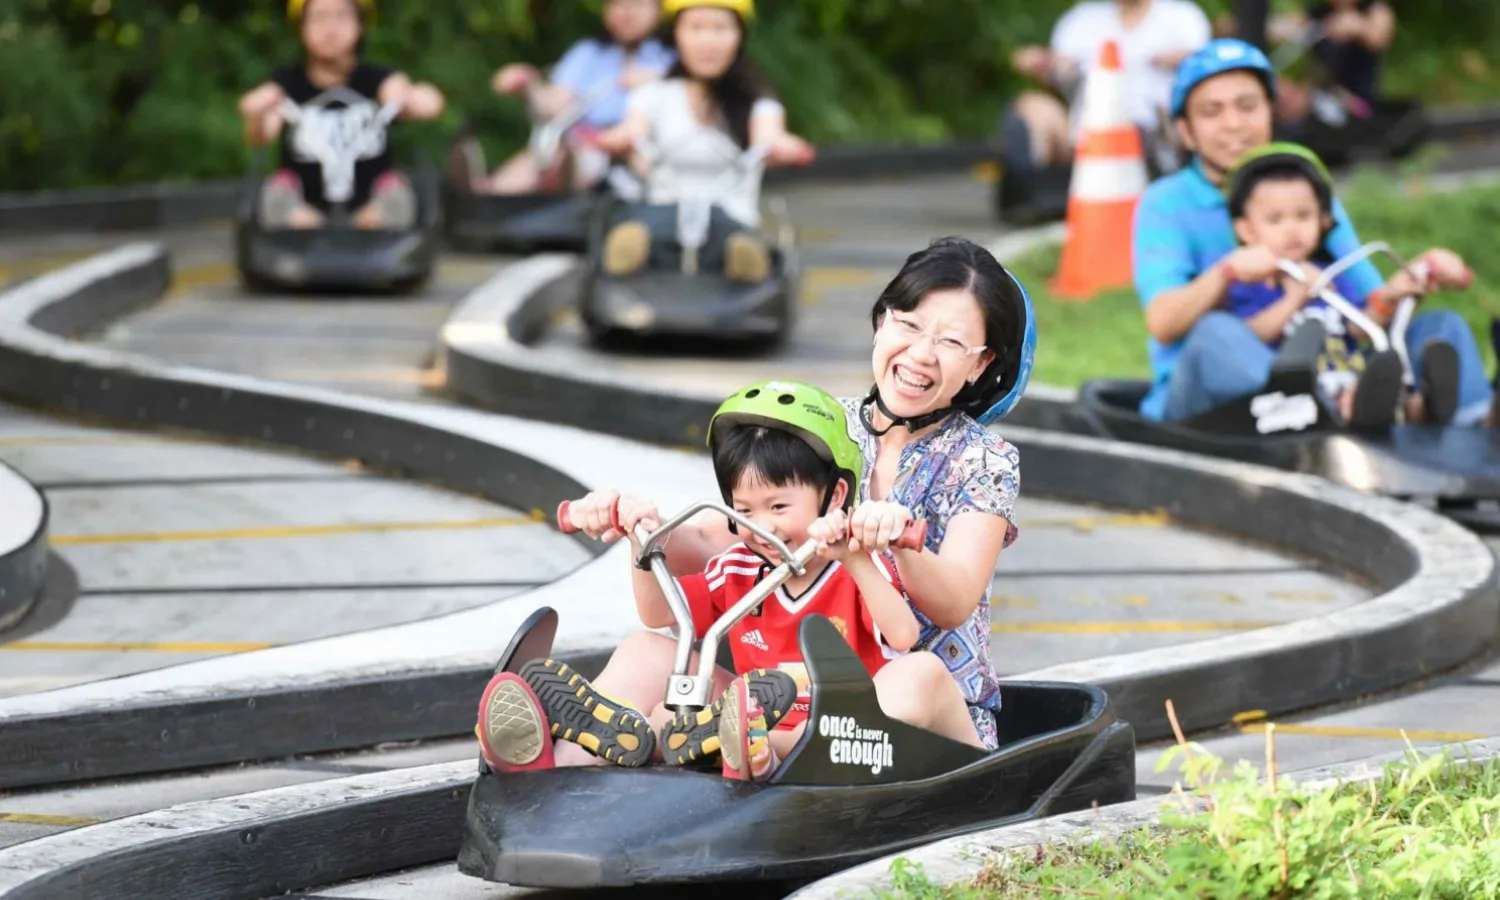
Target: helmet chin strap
914 423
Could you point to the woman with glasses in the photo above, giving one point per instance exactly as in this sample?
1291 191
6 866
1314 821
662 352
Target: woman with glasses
953 347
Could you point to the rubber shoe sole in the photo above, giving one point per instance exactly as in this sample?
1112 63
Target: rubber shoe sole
743 735
746 259
625 249
692 737
576 712
1439 382
1376 394
512 727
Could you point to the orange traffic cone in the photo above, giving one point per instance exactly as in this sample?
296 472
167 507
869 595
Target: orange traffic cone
1109 174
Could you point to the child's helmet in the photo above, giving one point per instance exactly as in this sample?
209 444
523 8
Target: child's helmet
807 412
1216 58
294 10
1275 155
744 8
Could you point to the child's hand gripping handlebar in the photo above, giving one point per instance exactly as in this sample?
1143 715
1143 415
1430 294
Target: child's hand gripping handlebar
690 691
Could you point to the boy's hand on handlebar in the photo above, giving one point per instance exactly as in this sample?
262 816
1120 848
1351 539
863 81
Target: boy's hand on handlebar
631 511
832 534
876 525
1251 264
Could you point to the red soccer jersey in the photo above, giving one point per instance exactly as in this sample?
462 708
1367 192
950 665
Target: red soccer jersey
767 637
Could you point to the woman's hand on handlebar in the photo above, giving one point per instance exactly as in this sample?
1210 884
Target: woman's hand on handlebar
595 514
876 525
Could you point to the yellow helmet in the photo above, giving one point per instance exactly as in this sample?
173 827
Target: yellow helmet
294 9
745 8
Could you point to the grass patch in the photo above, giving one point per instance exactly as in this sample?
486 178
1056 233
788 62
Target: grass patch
1428 827
1106 337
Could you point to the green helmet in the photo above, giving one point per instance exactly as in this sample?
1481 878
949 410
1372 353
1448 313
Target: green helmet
810 413
1239 180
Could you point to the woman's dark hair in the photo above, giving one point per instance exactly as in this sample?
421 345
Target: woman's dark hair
778 457
734 92
955 263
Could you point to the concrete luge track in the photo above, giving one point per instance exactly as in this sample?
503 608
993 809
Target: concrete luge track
1438 595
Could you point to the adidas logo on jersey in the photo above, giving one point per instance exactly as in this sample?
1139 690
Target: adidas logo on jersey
754 638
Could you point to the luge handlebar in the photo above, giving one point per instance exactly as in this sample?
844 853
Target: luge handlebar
912 537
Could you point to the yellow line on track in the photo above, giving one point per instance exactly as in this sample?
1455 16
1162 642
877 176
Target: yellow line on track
73 440
1146 626
39 819
287 531
1361 731
1157 518
818 281
194 277
131 647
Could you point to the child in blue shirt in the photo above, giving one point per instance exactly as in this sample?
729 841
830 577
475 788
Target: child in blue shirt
1280 197
591 81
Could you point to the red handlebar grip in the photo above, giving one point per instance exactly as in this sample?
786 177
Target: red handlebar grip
564 524
913 536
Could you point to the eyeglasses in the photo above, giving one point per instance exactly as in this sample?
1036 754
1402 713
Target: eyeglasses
943 345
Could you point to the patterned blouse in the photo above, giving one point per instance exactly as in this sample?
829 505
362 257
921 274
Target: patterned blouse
956 468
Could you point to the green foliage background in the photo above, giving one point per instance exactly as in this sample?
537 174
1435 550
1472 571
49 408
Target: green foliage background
111 91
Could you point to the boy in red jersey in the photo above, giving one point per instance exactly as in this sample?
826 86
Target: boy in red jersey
783 459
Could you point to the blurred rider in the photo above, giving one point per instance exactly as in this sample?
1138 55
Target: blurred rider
335 154
1153 37
690 134
592 81
1187 259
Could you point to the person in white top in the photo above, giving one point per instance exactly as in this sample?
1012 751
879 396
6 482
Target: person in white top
702 135
1153 36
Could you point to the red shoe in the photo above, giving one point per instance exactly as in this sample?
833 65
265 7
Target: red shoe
744 738
513 732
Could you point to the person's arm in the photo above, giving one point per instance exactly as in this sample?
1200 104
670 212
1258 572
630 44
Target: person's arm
948 585
768 130
1374 30
622 139
1270 323
260 109
418 100
889 610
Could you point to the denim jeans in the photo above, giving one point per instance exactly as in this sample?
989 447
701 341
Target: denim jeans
1222 360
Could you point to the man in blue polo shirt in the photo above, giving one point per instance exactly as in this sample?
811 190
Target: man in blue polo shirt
1186 255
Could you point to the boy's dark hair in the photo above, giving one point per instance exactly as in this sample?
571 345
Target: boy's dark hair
1280 169
779 457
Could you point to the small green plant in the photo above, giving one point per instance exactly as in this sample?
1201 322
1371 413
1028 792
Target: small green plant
1428 827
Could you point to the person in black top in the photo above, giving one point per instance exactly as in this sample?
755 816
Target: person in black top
330 115
1352 37
1346 40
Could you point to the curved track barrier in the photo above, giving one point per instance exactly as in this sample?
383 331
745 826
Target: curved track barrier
960 860
23 546
1438 603
491 361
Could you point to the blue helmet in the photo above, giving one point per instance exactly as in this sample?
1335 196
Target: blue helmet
1013 376
1216 58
